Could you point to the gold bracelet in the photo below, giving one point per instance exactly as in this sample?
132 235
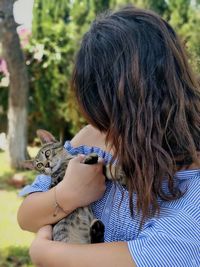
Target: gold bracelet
57 205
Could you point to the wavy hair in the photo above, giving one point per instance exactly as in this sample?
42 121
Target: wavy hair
133 82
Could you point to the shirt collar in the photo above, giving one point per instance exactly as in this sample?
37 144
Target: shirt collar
187 174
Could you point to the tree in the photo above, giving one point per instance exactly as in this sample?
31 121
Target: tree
18 88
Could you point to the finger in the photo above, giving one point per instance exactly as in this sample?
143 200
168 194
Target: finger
45 232
79 158
101 161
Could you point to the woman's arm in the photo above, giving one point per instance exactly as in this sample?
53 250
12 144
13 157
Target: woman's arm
37 209
47 253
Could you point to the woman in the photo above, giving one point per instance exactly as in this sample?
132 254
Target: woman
135 87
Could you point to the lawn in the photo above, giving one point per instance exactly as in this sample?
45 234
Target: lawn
14 242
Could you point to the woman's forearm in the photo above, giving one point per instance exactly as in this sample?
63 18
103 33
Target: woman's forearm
38 209
53 254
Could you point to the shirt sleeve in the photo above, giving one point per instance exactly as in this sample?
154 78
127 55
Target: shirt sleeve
106 156
42 182
172 243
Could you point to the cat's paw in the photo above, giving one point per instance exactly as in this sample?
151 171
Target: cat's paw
91 159
97 230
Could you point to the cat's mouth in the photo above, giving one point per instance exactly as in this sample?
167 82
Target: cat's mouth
49 169
56 166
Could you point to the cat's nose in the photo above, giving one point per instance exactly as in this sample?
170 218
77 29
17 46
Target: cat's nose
47 165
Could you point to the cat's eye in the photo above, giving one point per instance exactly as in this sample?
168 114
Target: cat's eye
47 153
39 165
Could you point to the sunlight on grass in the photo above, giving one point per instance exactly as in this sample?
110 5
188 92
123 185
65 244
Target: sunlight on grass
14 242
10 232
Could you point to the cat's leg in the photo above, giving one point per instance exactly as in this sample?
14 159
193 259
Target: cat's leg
97 228
61 231
91 159
75 228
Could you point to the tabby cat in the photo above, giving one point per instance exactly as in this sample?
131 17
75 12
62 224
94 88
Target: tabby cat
52 159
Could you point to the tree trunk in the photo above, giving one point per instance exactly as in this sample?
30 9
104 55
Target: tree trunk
18 90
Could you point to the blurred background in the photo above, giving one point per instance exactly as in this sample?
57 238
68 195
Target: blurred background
38 43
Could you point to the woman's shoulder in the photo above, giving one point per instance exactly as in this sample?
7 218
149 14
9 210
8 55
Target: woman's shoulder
89 140
90 137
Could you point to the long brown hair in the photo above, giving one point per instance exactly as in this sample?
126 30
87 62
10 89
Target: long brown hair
133 82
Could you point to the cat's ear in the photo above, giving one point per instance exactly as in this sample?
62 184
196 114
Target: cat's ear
46 137
27 164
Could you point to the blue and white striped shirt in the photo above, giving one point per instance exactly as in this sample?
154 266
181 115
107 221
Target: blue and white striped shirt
170 240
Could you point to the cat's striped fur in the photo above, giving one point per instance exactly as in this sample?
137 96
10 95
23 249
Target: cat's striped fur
52 159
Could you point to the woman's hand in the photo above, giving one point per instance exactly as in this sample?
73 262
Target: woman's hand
43 236
83 183
47 253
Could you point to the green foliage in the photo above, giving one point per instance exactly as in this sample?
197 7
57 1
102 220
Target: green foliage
15 257
185 18
47 13
58 27
115 4
179 10
48 60
159 6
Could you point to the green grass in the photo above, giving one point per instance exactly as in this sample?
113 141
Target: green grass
11 234
14 242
